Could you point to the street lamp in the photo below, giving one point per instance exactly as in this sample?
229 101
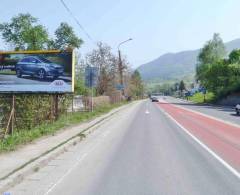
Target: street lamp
120 66
123 43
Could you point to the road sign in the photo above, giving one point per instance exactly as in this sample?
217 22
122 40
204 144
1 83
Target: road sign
120 87
91 76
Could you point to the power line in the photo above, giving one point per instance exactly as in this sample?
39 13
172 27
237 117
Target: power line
76 20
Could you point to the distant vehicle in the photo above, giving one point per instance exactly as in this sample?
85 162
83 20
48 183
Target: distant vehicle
38 66
154 99
237 108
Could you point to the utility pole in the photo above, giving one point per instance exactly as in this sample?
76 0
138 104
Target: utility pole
120 65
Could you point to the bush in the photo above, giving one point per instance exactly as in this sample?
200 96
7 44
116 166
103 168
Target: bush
31 110
25 136
199 98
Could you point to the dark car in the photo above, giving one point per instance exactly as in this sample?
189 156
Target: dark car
38 66
237 108
154 99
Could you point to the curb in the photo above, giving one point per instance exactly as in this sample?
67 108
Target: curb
33 165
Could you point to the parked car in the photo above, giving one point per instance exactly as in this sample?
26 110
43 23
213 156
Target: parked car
237 108
38 66
154 99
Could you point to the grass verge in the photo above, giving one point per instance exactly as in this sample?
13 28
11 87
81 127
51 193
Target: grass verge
199 98
26 136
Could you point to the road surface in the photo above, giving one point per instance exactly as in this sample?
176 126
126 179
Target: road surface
26 80
147 149
226 113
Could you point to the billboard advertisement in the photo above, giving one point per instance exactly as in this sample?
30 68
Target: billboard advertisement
37 72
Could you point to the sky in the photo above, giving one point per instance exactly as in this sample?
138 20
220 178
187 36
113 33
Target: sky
156 26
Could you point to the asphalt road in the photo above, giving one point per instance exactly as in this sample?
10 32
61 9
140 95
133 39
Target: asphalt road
13 79
226 113
138 151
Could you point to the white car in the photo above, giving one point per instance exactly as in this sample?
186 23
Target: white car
237 108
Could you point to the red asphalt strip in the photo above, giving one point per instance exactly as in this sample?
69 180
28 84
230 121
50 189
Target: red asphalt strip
222 138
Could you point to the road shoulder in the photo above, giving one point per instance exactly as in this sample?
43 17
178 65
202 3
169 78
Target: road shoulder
16 165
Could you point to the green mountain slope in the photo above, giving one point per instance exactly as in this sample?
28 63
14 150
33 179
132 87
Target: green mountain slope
173 66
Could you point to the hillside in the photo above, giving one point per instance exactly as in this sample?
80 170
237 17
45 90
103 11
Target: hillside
172 66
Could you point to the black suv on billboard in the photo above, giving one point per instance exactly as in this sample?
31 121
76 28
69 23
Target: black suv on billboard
38 66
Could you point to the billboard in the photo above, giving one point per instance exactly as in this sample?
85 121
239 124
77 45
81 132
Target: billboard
37 72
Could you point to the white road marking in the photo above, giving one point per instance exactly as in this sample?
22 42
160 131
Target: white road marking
76 164
223 162
69 171
206 115
147 108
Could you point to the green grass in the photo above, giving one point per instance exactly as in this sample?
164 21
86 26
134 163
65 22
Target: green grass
26 136
7 72
199 98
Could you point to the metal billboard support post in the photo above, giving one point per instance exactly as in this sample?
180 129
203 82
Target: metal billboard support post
56 106
72 103
13 114
10 124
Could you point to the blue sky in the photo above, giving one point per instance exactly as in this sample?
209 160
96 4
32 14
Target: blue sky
157 26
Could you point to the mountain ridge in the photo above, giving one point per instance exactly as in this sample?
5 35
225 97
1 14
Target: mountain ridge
176 65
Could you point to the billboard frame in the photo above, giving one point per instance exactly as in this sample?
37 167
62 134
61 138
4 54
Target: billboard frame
43 52
55 94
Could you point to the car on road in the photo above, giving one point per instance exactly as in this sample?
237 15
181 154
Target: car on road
154 99
237 108
39 67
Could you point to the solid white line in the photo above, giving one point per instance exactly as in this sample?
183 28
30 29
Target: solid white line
74 166
77 163
69 171
223 162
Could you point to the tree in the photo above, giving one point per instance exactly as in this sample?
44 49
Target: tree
176 86
223 76
137 86
103 58
234 56
24 33
192 85
36 38
65 38
212 52
182 86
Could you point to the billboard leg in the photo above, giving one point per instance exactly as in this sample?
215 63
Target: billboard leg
10 124
56 107
52 108
13 114
72 103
